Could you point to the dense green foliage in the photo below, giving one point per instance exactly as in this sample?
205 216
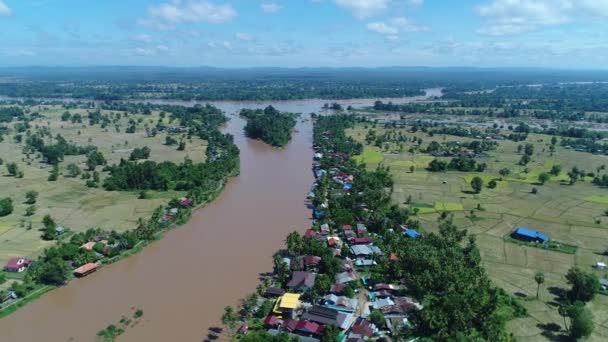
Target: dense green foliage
6 206
269 125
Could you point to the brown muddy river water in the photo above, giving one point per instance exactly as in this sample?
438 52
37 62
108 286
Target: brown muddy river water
183 282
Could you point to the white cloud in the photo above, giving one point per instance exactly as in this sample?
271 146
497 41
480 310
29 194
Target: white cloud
144 52
244 36
167 15
364 8
509 17
394 26
415 3
227 45
162 48
143 38
4 10
270 7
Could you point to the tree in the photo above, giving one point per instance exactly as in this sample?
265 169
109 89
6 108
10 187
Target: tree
30 210
556 170
53 272
331 334
492 184
31 197
6 206
581 322
230 320
539 277
73 170
12 169
504 172
584 285
477 184
54 173
543 178
377 317
95 158
294 243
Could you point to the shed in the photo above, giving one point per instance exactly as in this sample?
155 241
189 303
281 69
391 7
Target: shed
59 230
85 269
529 235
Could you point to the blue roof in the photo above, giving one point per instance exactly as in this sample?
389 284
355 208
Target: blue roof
531 234
411 233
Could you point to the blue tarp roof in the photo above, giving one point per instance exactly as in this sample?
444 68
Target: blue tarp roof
412 233
531 234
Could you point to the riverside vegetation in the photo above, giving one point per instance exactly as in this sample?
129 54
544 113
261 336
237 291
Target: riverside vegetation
79 173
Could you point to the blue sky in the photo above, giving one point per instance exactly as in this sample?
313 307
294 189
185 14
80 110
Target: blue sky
570 34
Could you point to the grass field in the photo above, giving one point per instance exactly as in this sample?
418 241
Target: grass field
566 213
69 201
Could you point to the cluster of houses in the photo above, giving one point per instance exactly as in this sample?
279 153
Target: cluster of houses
352 298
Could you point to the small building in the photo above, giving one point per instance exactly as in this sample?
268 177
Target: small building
59 230
286 305
186 202
17 265
411 233
272 322
325 229
345 277
311 261
323 315
347 227
89 245
309 328
85 269
526 234
301 281
362 241
361 229
600 265
604 284
273 292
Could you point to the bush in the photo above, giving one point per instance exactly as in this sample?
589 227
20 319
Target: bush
6 206
31 197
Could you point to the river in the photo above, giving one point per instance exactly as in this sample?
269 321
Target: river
183 282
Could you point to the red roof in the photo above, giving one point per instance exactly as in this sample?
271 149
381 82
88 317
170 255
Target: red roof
362 241
310 327
290 324
363 327
311 260
186 202
272 321
310 232
17 263
347 227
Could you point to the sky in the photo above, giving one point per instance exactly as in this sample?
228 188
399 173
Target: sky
567 34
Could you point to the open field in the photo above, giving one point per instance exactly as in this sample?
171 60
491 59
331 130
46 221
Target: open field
567 213
69 201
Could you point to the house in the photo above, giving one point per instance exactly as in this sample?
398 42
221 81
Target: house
526 234
365 263
337 289
411 233
345 277
85 269
362 241
347 227
361 229
402 306
17 265
325 229
600 265
340 303
382 303
301 281
89 245
349 235
323 315
311 261
334 241
309 328
365 251
273 292
272 322
310 233
286 305
362 328
186 202
59 230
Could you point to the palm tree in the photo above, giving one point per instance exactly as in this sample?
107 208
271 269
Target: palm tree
539 277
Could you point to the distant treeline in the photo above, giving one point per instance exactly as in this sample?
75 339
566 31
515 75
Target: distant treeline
269 125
